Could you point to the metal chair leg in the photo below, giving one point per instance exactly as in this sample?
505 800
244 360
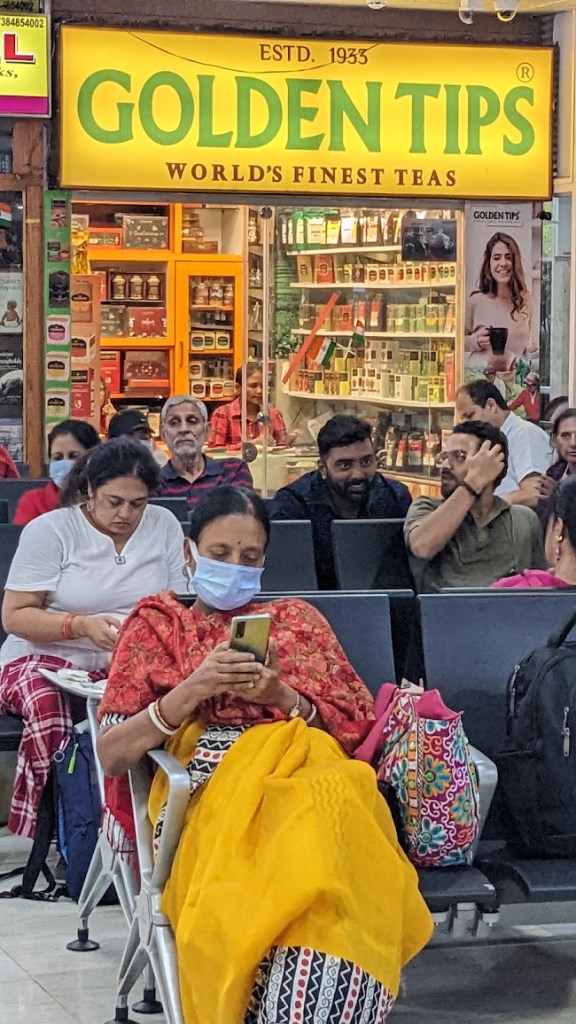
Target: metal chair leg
132 965
148 1004
167 969
126 886
92 892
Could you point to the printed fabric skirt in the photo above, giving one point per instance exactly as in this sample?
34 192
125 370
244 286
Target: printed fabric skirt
290 899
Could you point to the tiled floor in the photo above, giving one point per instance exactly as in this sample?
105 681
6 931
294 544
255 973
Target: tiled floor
41 982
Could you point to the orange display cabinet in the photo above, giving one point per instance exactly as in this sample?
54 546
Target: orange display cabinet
171 294
209 316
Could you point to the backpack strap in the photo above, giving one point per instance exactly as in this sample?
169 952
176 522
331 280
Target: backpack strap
37 861
557 639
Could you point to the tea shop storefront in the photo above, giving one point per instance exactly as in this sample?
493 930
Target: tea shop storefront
323 207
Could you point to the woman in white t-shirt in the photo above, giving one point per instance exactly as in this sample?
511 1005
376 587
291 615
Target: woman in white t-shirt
78 572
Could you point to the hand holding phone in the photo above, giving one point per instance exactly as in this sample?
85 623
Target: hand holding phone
250 634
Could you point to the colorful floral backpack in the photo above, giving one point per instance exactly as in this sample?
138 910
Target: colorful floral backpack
421 753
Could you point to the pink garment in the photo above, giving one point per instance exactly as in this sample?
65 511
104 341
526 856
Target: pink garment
531 578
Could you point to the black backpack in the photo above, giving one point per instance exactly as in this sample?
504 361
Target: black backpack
69 811
537 771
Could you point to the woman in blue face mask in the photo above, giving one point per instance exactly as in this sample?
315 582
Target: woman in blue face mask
67 442
288 887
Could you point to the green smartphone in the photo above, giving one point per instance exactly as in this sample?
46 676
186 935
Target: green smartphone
251 633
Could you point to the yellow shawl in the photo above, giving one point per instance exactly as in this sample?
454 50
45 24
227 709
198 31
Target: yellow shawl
290 844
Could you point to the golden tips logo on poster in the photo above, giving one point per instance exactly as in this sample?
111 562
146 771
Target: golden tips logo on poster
24 65
155 110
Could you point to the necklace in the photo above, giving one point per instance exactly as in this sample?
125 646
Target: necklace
118 558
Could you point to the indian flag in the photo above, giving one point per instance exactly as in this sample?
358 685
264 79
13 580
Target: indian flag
5 214
325 352
358 334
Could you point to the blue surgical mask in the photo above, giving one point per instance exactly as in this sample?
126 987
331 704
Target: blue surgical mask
147 443
58 471
224 585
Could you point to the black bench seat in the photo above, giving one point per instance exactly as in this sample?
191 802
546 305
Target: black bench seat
443 888
538 881
11 728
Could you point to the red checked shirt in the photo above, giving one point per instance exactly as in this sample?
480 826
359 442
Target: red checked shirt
7 465
226 427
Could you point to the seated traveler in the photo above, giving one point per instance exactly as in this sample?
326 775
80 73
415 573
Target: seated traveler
564 444
8 468
76 575
470 538
288 883
529 451
346 485
226 422
560 544
67 442
134 423
190 474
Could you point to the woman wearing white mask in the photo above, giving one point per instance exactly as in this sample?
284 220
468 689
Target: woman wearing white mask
289 887
77 574
67 442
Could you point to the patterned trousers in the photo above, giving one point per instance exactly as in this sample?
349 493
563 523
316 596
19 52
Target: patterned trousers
304 986
47 720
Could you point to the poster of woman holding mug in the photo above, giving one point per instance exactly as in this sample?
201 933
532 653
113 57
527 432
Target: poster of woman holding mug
500 327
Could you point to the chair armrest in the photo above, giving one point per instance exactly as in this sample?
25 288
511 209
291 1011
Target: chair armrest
176 807
487 782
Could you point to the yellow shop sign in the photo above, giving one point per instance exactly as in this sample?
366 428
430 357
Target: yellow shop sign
24 65
155 110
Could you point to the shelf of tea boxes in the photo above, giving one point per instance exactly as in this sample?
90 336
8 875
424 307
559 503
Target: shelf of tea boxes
375 334
136 343
255 232
382 286
140 395
211 352
343 250
395 403
99 254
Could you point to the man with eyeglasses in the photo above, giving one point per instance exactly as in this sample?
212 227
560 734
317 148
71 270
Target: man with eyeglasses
346 485
471 538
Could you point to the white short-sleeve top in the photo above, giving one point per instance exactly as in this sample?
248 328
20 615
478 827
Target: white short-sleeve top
79 569
529 451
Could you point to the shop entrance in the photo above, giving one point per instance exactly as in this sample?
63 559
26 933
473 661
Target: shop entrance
347 308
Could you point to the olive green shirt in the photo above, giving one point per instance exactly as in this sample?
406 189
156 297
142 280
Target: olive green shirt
507 543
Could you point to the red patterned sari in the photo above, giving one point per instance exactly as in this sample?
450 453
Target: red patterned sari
163 642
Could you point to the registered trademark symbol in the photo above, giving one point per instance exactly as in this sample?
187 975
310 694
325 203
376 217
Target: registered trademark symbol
525 72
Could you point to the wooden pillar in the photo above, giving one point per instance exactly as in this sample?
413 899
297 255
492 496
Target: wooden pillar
28 177
33 331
